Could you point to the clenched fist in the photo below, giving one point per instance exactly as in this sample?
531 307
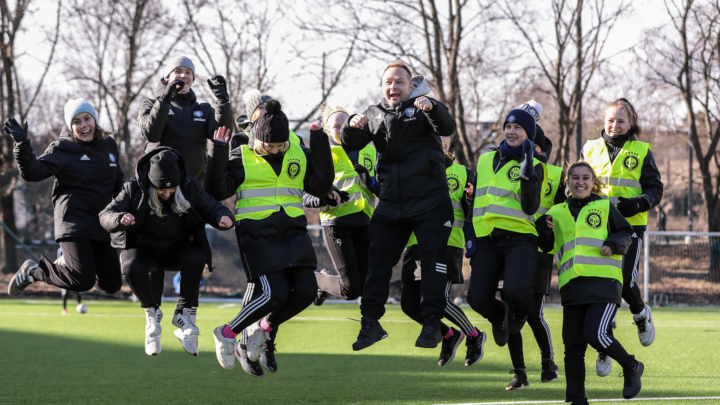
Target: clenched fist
359 121
423 103
127 220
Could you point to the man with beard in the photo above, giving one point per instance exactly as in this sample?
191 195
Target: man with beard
405 127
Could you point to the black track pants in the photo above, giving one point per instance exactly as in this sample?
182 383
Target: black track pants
540 329
88 264
348 248
389 237
515 253
282 294
157 278
184 256
411 300
631 291
583 325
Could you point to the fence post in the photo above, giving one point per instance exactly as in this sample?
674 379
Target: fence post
646 264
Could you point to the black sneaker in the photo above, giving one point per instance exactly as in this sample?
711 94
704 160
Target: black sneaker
549 371
320 297
475 348
632 380
501 332
370 333
430 335
519 380
22 278
450 346
267 356
251 367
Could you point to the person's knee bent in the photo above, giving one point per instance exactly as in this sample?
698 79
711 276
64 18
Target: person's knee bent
480 304
520 300
194 262
597 339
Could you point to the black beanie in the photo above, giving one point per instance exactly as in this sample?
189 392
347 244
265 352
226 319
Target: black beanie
540 140
271 127
524 119
163 171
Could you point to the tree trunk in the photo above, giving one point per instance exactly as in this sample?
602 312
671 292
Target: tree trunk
7 243
578 81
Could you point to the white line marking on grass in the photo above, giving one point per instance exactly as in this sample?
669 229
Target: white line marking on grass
589 400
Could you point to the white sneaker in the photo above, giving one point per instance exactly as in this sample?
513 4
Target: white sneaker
256 339
603 365
645 326
153 331
188 332
224 348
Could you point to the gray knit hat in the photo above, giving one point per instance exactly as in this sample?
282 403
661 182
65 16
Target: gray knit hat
76 106
176 62
252 99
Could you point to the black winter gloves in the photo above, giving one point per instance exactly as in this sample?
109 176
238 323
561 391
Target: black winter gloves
364 174
171 90
317 134
344 196
628 207
219 88
13 128
526 168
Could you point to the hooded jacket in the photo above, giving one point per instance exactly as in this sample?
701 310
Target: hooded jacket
410 164
278 242
134 199
184 125
87 177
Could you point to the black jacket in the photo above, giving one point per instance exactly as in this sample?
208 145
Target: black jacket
591 290
279 241
410 165
134 199
184 125
650 181
87 177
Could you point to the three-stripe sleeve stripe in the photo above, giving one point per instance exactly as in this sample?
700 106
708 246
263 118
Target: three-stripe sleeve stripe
441 268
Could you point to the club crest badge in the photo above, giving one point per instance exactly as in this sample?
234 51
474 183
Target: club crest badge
410 112
453 183
594 219
511 118
112 158
198 114
513 174
548 189
367 163
631 162
293 170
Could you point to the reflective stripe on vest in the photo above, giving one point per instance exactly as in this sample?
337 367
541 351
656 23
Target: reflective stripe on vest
457 179
578 243
361 199
264 193
497 198
622 176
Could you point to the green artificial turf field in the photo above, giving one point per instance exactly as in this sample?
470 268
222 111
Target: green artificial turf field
99 358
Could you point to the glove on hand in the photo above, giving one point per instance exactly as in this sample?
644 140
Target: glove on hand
171 90
364 174
13 128
526 168
219 88
317 134
344 196
470 240
628 207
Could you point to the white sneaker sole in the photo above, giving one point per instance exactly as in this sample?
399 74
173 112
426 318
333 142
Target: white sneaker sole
218 350
181 337
159 347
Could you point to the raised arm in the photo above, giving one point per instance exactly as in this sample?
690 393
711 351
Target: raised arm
355 132
225 171
440 119
320 173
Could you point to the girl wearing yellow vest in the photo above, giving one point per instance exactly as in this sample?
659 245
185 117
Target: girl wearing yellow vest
276 251
500 235
345 213
458 178
633 184
588 236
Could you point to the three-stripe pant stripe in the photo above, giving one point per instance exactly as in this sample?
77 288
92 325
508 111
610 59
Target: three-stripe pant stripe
455 315
546 327
253 304
636 269
441 268
603 337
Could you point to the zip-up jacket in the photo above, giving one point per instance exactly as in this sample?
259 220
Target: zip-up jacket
134 199
410 163
184 125
87 177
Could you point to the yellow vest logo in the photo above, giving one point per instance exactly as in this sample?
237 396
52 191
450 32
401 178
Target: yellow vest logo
367 162
453 182
631 161
548 188
514 174
293 169
594 219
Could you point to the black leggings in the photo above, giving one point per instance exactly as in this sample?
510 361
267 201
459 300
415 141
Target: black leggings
583 325
88 264
540 329
184 256
515 253
411 300
348 249
389 237
631 291
282 294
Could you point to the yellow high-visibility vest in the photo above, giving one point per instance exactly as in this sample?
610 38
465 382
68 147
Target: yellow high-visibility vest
347 179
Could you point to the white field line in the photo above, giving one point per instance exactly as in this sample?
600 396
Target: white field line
590 400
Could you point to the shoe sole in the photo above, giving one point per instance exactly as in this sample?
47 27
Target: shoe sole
358 348
516 388
243 365
12 289
482 350
603 375
634 394
160 351
457 344
547 381
182 340
218 346
430 346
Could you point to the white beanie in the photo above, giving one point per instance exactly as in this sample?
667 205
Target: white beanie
76 106
176 62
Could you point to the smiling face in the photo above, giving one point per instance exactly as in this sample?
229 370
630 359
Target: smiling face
166 193
514 134
83 127
581 182
334 124
182 73
396 85
617 121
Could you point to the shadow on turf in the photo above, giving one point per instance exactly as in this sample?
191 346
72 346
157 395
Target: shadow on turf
40 369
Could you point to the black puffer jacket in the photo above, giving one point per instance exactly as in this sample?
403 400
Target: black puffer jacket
279 241
133 199
410 163
184 125
87 177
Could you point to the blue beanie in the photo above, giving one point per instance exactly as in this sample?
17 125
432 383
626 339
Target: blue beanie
524 119
76 106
